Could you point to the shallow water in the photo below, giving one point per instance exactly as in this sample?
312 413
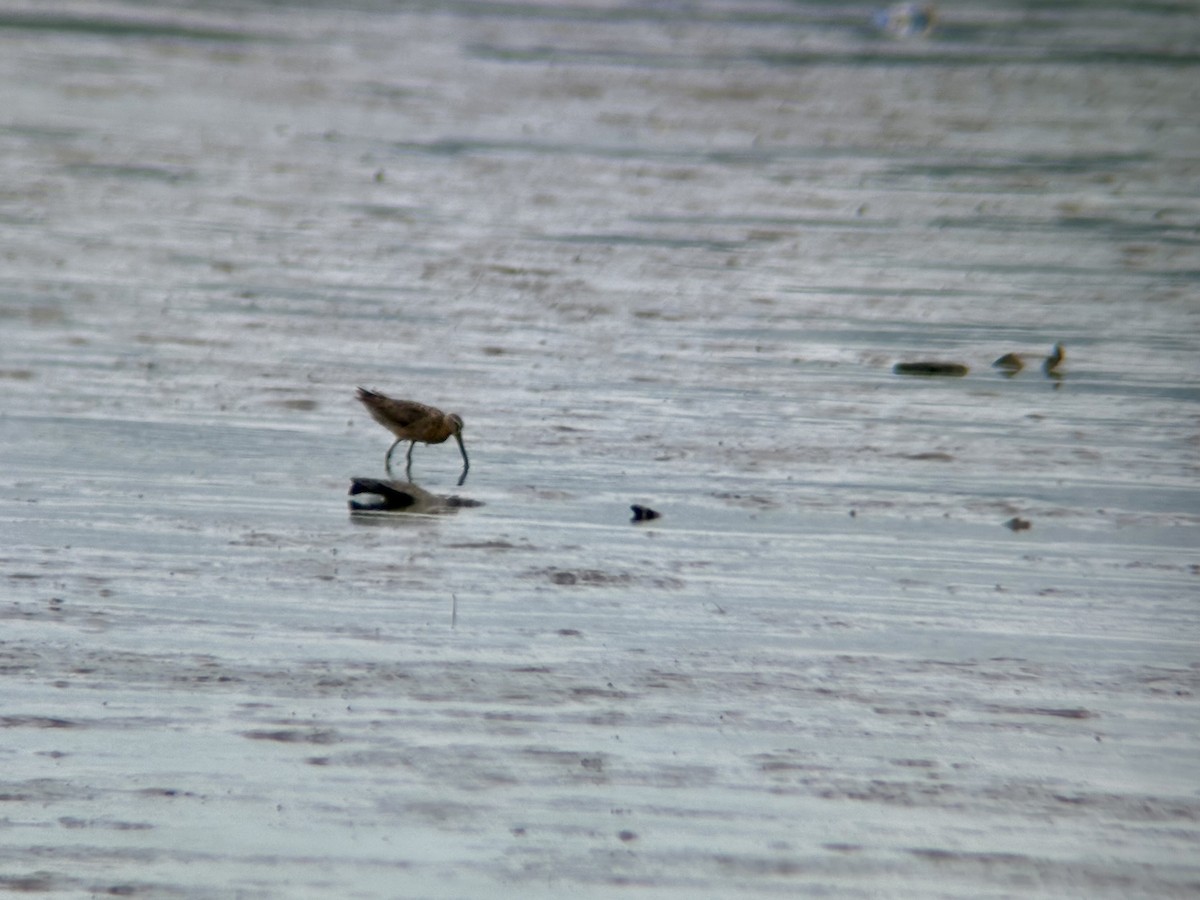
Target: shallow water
664 255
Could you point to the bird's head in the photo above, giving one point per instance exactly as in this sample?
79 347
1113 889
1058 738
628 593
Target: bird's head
456 421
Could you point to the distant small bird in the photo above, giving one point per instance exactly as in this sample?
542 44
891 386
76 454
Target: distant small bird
1057 355
1010 364
412 421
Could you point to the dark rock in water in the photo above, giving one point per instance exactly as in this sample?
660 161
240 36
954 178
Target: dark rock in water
385 495
644 513
380 495
1016 523
943 369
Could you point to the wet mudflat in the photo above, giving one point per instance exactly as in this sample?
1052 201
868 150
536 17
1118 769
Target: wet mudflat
664 256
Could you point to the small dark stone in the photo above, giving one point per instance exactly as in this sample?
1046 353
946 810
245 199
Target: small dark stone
1016 523
644 513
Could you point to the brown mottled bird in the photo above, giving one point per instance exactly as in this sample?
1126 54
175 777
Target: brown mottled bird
412 421
1012 363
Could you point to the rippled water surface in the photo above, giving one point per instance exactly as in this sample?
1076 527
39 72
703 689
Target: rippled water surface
665 254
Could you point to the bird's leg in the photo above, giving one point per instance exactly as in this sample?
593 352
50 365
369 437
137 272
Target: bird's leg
387 460
466 462
408 467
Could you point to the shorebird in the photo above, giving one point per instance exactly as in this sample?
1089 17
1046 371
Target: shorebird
1050 365
412 421
1012 363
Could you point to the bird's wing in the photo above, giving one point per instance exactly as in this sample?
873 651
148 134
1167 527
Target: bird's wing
392 413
